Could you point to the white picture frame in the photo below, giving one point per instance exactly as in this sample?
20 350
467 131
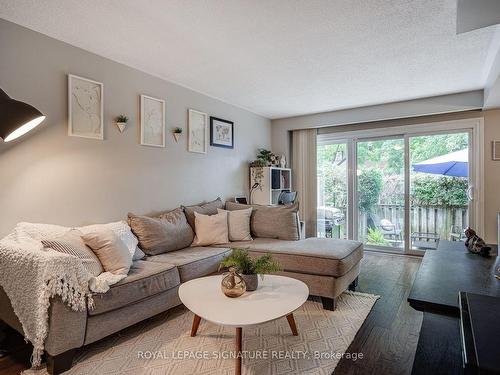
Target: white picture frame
152 121
197 131
85 108
495 152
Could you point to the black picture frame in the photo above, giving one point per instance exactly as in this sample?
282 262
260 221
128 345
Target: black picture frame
241 200
212 138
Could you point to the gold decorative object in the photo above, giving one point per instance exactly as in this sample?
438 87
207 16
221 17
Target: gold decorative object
233 284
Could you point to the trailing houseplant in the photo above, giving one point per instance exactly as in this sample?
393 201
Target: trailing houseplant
249 267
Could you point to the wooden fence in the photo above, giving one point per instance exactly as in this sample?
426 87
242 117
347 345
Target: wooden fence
429 219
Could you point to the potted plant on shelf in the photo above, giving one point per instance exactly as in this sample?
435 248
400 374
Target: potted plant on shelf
177 133
249 267
267 156
121 122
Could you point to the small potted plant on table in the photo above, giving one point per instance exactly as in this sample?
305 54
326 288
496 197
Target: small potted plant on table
249 267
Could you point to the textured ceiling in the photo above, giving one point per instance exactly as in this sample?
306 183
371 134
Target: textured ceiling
277 58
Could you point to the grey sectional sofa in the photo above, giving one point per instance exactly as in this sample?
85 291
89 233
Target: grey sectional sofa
327 266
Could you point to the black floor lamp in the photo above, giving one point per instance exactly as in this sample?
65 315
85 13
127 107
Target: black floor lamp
17 118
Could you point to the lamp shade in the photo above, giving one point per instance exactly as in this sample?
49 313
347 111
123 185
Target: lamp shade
17 118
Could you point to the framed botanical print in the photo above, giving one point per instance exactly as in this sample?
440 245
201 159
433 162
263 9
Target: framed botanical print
198 131
152 121
221 133
85 108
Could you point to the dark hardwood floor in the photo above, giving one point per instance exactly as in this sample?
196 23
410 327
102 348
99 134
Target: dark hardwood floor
387 339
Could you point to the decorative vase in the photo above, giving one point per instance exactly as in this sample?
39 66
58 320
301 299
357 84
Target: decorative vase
177 136
251 281
121 126
233 284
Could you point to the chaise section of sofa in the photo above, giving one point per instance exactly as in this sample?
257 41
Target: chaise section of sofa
328 266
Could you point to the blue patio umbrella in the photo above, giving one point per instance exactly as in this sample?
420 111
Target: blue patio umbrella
453 164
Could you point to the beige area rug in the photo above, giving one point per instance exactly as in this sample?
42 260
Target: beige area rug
163 346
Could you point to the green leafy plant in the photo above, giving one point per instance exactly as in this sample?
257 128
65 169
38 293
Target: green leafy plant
376 237
370 186
177 130
439 191
265 155
121 118
246 265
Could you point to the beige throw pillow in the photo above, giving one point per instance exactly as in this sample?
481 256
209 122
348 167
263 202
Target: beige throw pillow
209 208
71 243
111 251
238 224
210 230
168 232
281 222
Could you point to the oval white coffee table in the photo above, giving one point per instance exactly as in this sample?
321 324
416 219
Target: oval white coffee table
276 297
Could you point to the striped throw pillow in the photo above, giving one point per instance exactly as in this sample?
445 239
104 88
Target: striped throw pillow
71 243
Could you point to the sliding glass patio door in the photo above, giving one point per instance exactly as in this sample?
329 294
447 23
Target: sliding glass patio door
403 190
440 188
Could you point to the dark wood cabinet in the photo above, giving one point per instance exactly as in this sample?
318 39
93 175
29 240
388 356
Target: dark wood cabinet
443 274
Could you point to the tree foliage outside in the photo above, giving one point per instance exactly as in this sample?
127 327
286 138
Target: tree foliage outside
332 174
381 177
439 191
369 186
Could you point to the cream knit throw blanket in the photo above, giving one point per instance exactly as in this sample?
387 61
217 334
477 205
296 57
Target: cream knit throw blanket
31 276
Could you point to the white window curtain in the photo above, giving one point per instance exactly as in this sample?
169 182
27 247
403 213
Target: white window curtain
304 176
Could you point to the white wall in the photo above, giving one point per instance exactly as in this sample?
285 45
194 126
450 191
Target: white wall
50 177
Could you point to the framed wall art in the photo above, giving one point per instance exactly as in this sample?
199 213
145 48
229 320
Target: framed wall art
198 131
221 133
85 108
152 121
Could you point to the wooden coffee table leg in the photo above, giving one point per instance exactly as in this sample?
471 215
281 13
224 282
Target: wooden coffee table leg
293 326
196 324
239 346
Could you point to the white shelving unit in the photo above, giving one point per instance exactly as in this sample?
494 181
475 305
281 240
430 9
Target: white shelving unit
274 180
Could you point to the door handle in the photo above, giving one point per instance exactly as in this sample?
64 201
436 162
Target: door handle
470 193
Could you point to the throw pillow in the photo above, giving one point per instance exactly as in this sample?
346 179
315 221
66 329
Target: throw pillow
238 224
111 251
121 229
169 232
281 222
209 208
71 243
138 254
211 229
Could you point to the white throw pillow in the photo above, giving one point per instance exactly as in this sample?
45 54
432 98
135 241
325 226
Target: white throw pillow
112 252
210 229
238 224
120 228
